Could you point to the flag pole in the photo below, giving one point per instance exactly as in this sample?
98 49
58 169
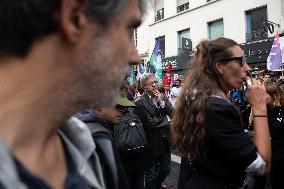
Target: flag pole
157 41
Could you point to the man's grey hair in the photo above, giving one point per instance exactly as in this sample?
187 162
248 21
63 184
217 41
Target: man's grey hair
145 78
104 10
25 21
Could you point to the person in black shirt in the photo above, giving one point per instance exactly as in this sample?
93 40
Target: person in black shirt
207 129
276 128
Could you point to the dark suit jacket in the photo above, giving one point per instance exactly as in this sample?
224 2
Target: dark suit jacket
155 122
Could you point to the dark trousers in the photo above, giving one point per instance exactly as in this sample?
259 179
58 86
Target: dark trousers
136 181
161 167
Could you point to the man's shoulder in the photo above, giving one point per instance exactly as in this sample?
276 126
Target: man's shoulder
8 172
80 144
76 132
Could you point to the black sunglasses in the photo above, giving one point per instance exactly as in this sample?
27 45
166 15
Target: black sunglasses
241 60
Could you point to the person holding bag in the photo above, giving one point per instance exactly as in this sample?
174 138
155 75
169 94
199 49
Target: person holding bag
207 130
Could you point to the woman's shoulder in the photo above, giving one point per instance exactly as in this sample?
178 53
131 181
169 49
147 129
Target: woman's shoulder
221 107
216 102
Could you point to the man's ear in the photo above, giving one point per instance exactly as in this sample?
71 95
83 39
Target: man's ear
220 67
72 19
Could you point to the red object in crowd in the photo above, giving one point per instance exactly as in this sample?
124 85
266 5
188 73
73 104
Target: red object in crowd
167 77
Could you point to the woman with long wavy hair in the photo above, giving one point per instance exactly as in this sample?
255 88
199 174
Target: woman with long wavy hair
207 130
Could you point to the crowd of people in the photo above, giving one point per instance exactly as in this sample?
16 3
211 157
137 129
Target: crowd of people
237 122
275 102
65 123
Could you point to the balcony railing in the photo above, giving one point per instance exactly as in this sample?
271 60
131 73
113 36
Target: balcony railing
256 35
159 15
183 7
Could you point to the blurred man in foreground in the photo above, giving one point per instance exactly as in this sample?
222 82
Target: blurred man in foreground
51 55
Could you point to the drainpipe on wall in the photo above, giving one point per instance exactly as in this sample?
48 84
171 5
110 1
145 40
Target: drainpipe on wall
282 5
282 17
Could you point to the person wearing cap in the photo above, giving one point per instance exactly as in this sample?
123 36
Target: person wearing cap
107 117
101 123
134 166
124 102
130 169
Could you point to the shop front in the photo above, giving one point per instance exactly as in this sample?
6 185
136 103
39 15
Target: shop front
179 63
256 53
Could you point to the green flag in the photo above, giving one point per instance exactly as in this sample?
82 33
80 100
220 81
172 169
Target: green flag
156 61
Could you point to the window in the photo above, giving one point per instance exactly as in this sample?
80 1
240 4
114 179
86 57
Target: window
254 24
184 42
159 15
159 10
182 5
216 29
162 45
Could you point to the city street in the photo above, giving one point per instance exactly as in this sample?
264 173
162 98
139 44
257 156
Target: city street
142 94
172 179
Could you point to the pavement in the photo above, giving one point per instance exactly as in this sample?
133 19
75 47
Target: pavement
172 179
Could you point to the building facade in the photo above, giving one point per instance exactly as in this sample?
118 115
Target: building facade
181 24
